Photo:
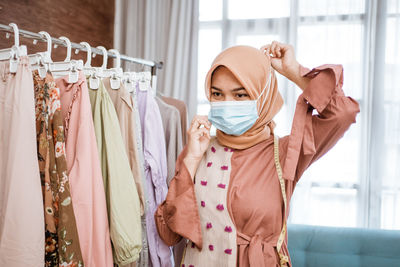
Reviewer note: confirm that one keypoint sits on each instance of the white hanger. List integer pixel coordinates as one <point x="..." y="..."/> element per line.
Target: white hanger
<point x="46" y="55"/>
<point x="97" y="72"/>
<point x="128" y="81"/>
<point x="15" y="51"/>
<point x="144" y="78"/>
<point x="87" y="67"/>
<point x="67" y="67"/>
<point x="88" y="55"/>
<point x="116" y="72"/>
<point x="37" y="63"/>
<point x="105" y="57"/>
<point x="41" y="60"/>
<point x="88" y="70"/>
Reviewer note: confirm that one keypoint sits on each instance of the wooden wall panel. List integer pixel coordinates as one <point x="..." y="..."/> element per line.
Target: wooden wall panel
<point x="79" y="20"/>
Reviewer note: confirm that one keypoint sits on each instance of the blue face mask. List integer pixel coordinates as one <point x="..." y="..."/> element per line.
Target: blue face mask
<point x="236" y="117"/>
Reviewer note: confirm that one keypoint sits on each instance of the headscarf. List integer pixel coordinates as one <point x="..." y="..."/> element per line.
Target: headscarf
<point x="252" y="68"/>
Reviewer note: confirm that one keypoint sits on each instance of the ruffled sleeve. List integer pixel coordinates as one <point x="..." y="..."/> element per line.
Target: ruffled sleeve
<point x="178" y="215"/>
<point x="313" y="135"/>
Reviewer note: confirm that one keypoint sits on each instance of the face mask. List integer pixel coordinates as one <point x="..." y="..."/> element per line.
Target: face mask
<point x="236" y="117"/>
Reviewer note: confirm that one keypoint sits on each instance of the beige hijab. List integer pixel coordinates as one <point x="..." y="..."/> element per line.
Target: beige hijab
<point x="252" y="69"/>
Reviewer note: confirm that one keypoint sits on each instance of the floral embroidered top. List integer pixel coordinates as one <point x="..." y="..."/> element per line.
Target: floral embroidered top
<point x="62" y="242"/>
<point x="253" y="194"/>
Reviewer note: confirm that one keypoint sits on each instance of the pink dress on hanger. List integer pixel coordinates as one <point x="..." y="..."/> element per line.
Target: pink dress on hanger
<point x="86" y="182"/>
<point x="21" y="202"/>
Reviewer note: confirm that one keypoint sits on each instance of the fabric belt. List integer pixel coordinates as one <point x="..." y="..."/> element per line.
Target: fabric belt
<point x="261" y="252"/>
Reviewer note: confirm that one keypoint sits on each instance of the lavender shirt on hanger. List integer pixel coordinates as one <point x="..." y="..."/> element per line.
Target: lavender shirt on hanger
<point x="155" y="165"/>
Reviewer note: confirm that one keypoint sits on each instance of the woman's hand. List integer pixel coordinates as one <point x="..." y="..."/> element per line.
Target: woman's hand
<point x="282" y="58"/>
<point x="198" y="141"/>
<point x="284" y="61"/>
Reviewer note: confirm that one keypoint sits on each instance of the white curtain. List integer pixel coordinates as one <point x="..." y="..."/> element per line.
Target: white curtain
<point x="162" y="30"/>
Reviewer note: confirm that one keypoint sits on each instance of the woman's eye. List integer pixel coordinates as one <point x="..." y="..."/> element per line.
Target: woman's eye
<point x="216" y="94"/>
<point x="242" y="95"/>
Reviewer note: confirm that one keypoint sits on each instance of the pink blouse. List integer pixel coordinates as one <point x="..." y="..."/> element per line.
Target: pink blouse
<point x="86" y="182"/>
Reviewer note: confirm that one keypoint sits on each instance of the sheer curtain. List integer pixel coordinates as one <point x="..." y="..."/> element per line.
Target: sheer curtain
<point x="387" y="136"/>
<point x="163" y="31"/>
<point x="357" y="184"/>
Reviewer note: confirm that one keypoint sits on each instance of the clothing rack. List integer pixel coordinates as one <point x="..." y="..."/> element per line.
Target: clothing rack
<point x="36" y="36"/>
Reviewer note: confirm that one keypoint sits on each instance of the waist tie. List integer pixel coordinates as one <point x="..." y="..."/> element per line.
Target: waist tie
<point x="261" y="252"/>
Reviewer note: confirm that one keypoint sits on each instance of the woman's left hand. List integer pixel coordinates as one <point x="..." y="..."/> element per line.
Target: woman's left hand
<point x="282" y="58"/>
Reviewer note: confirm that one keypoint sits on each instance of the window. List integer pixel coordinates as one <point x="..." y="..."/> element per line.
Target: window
<point x="364" y="190"/>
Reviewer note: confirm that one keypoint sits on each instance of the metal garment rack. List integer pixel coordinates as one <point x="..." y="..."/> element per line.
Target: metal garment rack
<point x="36" y="36"/>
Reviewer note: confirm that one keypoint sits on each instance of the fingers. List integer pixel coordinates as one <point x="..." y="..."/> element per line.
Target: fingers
<point x="272" y="50"/>
<point x="197" y="122"/>
<point x="196" y="131"/>
<point x="202" y="132"/>
<point x="275" y="49"/>
<point x="266" y="49"/>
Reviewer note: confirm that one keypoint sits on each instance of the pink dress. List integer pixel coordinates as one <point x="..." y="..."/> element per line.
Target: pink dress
<point x="21" y="201"/>
<point x="86" y="182"/>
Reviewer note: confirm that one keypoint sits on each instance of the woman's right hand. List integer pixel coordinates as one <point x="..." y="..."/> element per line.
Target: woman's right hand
<point x="198" y="142"/>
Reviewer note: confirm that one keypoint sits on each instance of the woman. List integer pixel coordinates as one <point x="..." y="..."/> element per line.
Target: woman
<point x="229" y="198"/>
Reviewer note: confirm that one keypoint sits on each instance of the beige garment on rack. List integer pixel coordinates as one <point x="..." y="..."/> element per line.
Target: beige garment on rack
<point x="181" y="106"/>
<point x="21" y="202"/>
<point x="123" y="104"/>
<point x="171" y="120"/>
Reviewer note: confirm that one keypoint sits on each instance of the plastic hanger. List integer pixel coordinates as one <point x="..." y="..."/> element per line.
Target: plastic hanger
<point x="144" y="80"/>
<point x="46" y="55"/>
<point x="117" y="72"/>
<point x="67" y="67"/>
<point x="88" y="55"/>
<point x="129" y="80"/>
<point x="88" y="70"/>
<point x="15" y="52"/>
<point x="37" y="63"/>
<point x="41" y="60"/>
<point x="95" y="72"/>
<point x="105" y="57"/>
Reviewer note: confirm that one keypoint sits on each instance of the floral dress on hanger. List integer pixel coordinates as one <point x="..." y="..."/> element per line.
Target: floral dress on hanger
<point x="62" y="243"/>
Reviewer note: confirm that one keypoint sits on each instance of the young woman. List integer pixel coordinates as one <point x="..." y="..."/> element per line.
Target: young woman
<point x="229" y="198"/>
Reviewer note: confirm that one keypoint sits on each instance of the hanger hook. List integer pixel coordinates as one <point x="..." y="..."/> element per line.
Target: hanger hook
<point x="89" y="54"/>
<point x="69" y="47"/>
<point x="118" y="56"/>
<point x="16" y="33"/>
<point x="48" y="39"/>
<point x="105" y="56"/>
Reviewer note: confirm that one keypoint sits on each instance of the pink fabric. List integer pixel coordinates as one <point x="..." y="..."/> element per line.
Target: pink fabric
<point x="87" y="190"/>
<point x="21" y="203"/>
<point x="324" y="85"/>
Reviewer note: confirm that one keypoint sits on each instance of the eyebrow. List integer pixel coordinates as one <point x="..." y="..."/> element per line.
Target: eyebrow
<point x="234" y="90"/>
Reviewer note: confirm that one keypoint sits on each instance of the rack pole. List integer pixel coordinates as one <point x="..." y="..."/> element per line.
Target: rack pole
<point x="36" y="36"/>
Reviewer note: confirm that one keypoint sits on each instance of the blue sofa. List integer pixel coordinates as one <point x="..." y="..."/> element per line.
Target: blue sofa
<point x="322" y="246"/>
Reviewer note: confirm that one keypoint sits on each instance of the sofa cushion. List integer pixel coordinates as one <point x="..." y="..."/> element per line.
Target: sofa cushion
<point x="336" y="246"/>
